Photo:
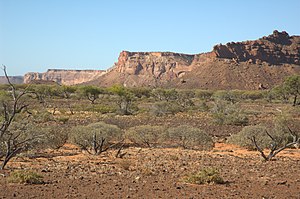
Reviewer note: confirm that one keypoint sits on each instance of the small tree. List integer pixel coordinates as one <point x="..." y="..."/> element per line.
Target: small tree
<point x="125" y="98"/>
<point x="280" y="93"/>
<point x="292" y="86"/>
<point x="189" y="137"/>
<point x="277" y="145"/>
<point x="146" y="135"/>
<point x="67" y="91"/>
<point x="18" y="132"/>
<point x="90" y="92"/>
<point x="96" y="138"/>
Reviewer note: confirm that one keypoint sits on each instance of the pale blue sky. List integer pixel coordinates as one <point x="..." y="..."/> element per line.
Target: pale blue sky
<point x="89" y="34"/>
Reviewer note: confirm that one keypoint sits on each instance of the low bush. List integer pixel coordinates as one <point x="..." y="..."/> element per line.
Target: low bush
<point x="25" y="177"/>
<point x="209" y="175"/>
<point x="145" y="135"/>
<point x="43" y="116"/>
<point x="189" y="137"/>
<point x="164" y="108"/>
<point x="63" y="119"/>
<point x="97" y="137"/>
<point x="203" y="107"/>
<point x="253" y="95"/>
<point x="55" y="136"/>
<point x="227" y="113"/>
<point x="125" y="164"/>
<point x="243" y="138"/>
<point x="232" y="96"/>
<point x="204" y="94"/>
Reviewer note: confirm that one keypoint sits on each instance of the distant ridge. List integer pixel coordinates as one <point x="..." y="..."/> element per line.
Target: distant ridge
<point x="235" y="65"/>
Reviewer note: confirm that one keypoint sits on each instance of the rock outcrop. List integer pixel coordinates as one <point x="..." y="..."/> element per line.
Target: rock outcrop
<point x="277" y="48"/>
<point x="66" y="77"/>
<point x="164" y="65"/>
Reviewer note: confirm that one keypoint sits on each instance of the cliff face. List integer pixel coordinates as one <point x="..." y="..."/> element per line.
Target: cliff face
<point x="66" y="77"/>
<point x="277" y="48"/>
<point x="165" y="65"/>
<point x="240" y="65"/>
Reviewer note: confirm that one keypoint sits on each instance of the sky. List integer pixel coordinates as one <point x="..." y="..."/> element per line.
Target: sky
<point x="36" y="35"/>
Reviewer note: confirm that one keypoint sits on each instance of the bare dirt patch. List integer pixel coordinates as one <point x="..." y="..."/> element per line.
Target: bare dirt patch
<point x="156" y="173"/>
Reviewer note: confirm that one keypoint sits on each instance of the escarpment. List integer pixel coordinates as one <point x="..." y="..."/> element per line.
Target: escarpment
<point x="66" y="77"/>
<point x="277" y="48"/>
<point x="236" y="65"/>
<point x="264" y="62"/>
<point x="165" y="65"/>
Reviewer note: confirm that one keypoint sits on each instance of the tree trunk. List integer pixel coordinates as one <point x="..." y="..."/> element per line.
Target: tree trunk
<point x="295" y="100"/>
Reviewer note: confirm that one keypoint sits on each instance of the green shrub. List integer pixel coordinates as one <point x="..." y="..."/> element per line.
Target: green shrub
<point x="164" y="108"/>
<point x="227" y="113"/>
<point x="25" y="177"/>
<point x="242" y="138"/>
<point x="185" y="98"/>
<point x="202" y="106"/>
<point x="63" y="119"/>
<point x="54" y="136"/>
<point x="43" y="116"/>
<point x="209" y="175"/>
<point x="204" y="94"/>
<point x="232" y="96"/>
<point x="145" y="135"/>
<point x="189" y="137"/>
<point x="253" y="95"/>
<point x="96" y="138"/>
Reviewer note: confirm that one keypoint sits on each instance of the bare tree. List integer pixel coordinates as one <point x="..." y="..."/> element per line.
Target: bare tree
<point x="9" y="115"/>
<point x="277" y="145"/>
<point x="11" y="142"/>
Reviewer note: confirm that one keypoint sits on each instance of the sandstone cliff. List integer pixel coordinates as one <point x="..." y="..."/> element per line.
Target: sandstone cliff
<point x="240" y="65"/>
<point x="66" y="77"/>
<point x="277" y="48"/>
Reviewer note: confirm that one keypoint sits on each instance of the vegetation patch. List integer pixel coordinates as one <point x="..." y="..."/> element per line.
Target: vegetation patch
<point x="25" y="177"/>
<point x="189" y="137"/>
<point x="208" y="175"/>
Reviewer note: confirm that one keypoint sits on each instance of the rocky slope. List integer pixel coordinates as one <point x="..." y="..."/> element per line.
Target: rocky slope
<point x="240" y="65"/>
<point x="66" y="77"/>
